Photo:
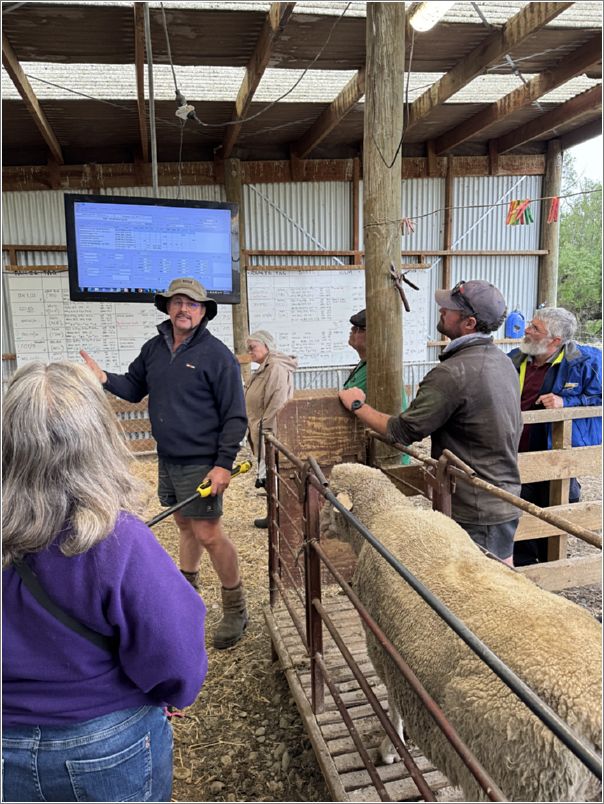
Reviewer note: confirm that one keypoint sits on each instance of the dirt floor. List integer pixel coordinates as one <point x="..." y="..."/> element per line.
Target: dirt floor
<point x="243" y="739"/>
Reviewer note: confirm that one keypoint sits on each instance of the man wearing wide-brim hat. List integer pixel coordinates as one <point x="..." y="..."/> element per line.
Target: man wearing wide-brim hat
<point x="197" y="413"/>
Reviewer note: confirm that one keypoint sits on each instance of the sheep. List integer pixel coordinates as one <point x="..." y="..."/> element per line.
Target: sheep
<point x="550" y="643"/>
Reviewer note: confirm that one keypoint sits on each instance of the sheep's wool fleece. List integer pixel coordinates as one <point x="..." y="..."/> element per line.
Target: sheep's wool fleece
<point x="550" y="643"/>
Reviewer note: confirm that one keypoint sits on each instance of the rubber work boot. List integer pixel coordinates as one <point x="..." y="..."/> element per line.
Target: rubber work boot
<point x="261" y="523"/>
<point x="234" y="618"/>
<point x="192" y="578"/>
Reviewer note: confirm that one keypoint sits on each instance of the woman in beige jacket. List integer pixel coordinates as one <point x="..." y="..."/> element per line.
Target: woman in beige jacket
<point x="269" y="388"/>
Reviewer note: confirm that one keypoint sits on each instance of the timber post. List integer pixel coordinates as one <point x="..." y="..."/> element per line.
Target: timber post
<point x="234" y="194"/>
<point x="382" y="202"/>
<point x="547" y="291"/>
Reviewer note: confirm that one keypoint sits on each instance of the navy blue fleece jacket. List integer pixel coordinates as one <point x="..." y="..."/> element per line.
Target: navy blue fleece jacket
<point x="196" y="402"/>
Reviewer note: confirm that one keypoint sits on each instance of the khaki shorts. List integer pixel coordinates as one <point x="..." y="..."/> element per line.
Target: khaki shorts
<point x="176" y="482"/>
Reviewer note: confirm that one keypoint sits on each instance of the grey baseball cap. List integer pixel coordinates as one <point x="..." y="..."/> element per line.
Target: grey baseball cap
<point x="186" y="286"/>
<point x="476" y="297"/>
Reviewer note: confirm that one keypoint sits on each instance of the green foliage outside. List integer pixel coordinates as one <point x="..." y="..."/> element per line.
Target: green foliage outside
<point x="580" y="262"/>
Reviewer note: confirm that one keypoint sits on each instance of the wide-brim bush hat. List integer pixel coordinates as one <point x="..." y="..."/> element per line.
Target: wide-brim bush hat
<point x="186" y="286"/>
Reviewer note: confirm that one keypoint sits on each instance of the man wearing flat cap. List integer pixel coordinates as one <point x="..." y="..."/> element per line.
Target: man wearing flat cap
<point x="198" y="420"/>
<point x="469" y="404"/>
<point x="358" y="340"/>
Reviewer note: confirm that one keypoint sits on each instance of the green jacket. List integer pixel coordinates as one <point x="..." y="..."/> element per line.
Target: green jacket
<point x="358" y="379"/>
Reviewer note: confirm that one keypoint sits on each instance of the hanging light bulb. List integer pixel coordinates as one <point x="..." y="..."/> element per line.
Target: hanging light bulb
<point x="425" y="15"/>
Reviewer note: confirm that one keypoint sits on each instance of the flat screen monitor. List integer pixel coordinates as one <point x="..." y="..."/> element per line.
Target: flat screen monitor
<point x="127" y="249"/>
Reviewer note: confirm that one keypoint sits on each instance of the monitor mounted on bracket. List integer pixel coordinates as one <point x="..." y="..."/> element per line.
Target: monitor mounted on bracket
<point x="127" y="249"/>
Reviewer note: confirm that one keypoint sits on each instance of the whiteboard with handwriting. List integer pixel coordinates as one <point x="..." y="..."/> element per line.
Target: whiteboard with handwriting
<point x="306" y="312"/>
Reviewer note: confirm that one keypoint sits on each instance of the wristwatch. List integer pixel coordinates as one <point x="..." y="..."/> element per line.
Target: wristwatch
<point x="358" y="403"/>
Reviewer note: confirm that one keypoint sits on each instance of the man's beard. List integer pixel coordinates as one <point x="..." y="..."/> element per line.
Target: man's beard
<point x="449" y="332"/>
<point x="534" y="348"/>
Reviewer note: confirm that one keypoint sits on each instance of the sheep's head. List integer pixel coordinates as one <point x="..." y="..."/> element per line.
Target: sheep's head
<point x="365" y="492"/>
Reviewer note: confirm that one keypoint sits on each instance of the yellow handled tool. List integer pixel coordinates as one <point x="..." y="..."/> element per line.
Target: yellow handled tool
<point x="203" y="490"/>
<point x="239" y="469"/>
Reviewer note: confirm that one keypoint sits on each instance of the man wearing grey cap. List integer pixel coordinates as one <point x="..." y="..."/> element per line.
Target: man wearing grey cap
<point x="469" y="405"/>
<point x="198" y="419"/>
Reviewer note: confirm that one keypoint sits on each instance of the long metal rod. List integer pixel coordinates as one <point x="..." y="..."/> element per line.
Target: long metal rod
<point x="580" y="532"/>
<point x="149" y="48"/>
<point x="352" y="730"/>
<point x="240" y="468"/>
<point x="288" y="605"/>
<point x="400" y="746"/>
<point x="433" y="709"/>
<point x="544" y="712"/>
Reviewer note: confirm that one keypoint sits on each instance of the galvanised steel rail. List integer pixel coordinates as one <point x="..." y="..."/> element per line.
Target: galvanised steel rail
<point x="544" y="712"/>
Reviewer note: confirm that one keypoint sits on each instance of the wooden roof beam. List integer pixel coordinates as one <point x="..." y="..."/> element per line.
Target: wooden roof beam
<point x="540" y="85"/>
<point x="24" y="88"/>
<point x="332" y="116"/>
<point x="276" y="20"/>
<point x="529" y="20"/>
<point x="585" y="103"/>
<point x="139" y="66"/>
<point x="581" y="134"/>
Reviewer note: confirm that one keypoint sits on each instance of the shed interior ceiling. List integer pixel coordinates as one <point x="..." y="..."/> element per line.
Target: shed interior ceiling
<point x="78" y="60"/>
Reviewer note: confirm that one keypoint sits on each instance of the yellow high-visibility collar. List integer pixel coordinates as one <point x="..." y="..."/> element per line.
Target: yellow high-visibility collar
<point x="523" y="365"/>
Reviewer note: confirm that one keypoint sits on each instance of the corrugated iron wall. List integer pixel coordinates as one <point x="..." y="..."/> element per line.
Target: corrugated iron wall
<point x="317" y="215"/>
<point x="306" y="216"/>
<point x="479" y="224"/>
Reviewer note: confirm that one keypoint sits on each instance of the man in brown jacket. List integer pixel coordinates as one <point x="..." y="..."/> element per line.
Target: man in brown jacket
<point x="470" y="404"/>
<point x="270" y="387"/>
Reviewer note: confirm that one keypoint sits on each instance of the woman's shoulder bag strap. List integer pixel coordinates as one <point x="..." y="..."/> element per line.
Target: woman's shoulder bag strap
<point x="30" y="580"/>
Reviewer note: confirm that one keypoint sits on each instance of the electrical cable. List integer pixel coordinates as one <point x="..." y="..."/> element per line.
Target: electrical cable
<point x="405" y="105"/>
<point x="509" y="61"/>
<point x="154" y="167"/>
<point x="163" y="14"/>
<point x="281" y="97"/>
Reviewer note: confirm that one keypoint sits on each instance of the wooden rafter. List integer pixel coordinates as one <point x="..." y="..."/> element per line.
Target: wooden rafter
<point x="332" y="116"/>
<point x="581" y="134"/>
<point x="585" y="103"/>
<point x="530" y="19"/>
<point x="139" y="65"/>
<point x="24" y="88"/>
<point x="276" y="20"/>
<point x="543" y="83"/>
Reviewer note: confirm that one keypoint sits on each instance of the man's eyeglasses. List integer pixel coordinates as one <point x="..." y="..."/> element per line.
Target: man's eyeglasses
<point x="539" y="330"/>
<point x="458" y="293"/>
<point x="185" y="303"/>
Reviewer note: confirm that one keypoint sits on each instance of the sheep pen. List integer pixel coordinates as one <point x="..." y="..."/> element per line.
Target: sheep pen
<point x="243" y="739"/>
<point x="552" y="644"/>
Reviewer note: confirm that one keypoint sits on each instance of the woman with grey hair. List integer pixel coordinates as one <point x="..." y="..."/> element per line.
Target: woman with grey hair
<point x="101" y="632"/>
<point x="270" y="387"/>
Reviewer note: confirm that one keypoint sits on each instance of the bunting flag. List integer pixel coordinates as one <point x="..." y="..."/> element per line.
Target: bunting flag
<point x="519" y="212"/>
<point x="407" y="226"/>
<point x="554" y="209"/>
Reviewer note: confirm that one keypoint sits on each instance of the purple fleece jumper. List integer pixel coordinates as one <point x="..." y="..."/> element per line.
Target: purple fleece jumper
<point x="126" y="586"/>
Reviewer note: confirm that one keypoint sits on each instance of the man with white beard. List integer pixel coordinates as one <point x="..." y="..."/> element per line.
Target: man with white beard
<point x="554" y="372"/>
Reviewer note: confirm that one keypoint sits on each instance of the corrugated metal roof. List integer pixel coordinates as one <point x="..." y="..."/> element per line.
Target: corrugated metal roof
<point x="496" y="13"/>
<point x="117" y="81"/>
<point x="81" y="59"/>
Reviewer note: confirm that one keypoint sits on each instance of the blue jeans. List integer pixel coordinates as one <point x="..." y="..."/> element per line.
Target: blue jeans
<point x="123" y="756"/>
